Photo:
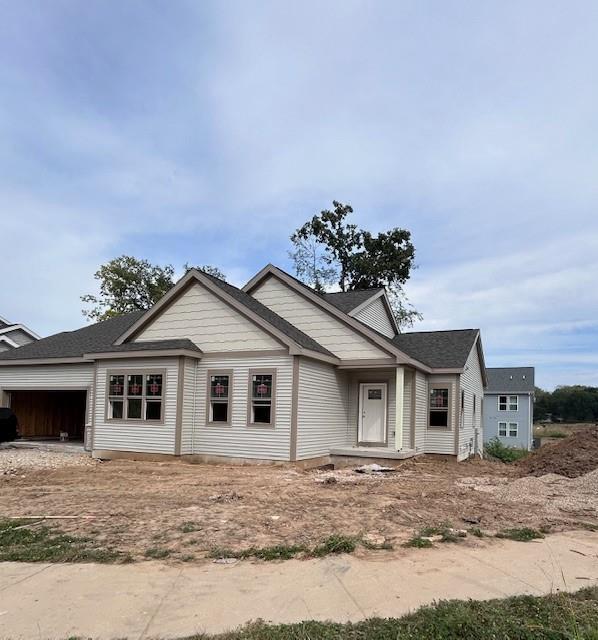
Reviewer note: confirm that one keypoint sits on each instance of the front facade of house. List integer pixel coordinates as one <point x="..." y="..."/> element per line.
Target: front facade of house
<point x="14" y="335"/>
<point x="509" y="406"/>
<point x="272" y="372"/>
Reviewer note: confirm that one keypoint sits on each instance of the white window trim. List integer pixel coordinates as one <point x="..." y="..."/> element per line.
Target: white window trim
<point x="508" y="425"/>
<point x="508" y="402"/>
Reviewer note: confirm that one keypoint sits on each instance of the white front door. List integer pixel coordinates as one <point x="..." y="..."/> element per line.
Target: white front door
<point x="372" y="413"/>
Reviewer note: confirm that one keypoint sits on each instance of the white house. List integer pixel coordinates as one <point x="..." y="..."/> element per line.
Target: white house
<point x="271" y="372"/>
<point x="14" y="335"/>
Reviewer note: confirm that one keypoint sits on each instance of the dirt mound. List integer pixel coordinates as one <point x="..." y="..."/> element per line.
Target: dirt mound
<point x="571" y="457"/>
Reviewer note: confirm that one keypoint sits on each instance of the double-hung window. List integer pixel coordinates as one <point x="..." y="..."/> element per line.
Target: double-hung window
<point x="439" y="407"/>
<point x="508" y="403"/>
<point x="508" y="429"/>
<point x="219" y="397"/>
<point x="136" y="396"/>
<point x="261" y="397"/>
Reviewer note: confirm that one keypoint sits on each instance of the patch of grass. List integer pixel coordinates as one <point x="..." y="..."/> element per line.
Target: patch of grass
<point x="555" y="617"/>
<point x="589" y="526"/>
<point x="385" y="546"/>
<point x="525" y="534"/>
<point x="277" y="552"/>
<point x="477" y="532"/>
<point x="157" y="553"/>
<point x="496" y="449"/>
<point x="188" y="558"/>
<point x="418" y="542"/>
<point x="444" y="529"/>
<point x="335" y="544"/>
<point x="27" y="541"/>
<point x="553" y="434"/>
<point x="189" y="527"/>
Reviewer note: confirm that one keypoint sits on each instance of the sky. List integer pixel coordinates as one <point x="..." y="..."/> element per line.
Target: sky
<point x="206" y="132"/>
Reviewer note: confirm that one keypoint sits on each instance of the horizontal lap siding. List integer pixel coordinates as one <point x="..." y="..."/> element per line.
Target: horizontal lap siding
<point x="421" y="412"/>
<point x="189" y="402"/>
<point x="442" y="440"/>
<point x="375" y="315"/>
<point x="472" y="384"/>
<point x="46" y="377"/>
<point x="49" y="377"/>
<point x="323" y="409"/>
<point x="241" y="440"/>
<point x="142" y="438"/>
<point x="209" y="322"/>
<point x="407" y="415"/>
<point x="331" y="333"/>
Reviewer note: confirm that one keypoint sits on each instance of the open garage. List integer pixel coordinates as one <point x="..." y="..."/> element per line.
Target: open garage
<point x="45" y="414"/>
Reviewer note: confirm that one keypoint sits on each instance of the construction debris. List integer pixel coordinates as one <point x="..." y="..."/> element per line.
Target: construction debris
<point x="374" y="468"/>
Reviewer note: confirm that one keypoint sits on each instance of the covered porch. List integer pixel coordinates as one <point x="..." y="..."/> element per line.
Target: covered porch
<point x="381" y="413"/>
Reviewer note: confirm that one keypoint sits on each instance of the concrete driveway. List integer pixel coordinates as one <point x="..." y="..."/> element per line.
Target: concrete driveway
<point x="155" y="600"/>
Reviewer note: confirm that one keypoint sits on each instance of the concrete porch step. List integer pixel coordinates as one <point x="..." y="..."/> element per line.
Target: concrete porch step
<point x="373" y="452"/>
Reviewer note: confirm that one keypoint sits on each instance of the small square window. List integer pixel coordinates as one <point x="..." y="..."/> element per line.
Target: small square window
<point x="262" y="412"/>
<point x="135" y="385"/>
<point x="502" y="429"/>
<point x="219" y="412"/>
<point x="513" y="429"/>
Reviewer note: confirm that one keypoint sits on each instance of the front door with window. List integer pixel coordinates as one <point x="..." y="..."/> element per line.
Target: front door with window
<point x="372" y="413"/>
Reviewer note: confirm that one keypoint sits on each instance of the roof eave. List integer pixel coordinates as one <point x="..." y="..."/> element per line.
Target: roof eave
<point x="43" y="361"/>
<point x="144" y="353"/>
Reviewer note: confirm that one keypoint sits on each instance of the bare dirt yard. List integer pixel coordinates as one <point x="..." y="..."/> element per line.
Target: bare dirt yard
<point x="186" y="511"/>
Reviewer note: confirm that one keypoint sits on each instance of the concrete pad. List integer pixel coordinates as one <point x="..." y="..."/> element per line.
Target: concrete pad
<point x="150" y="600"/>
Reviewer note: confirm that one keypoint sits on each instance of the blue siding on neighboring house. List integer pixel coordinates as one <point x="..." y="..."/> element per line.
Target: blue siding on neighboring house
<point x="492" y="416"/>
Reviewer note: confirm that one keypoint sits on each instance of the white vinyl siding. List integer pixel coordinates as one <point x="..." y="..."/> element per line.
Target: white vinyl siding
<point x="19" y="336"/>
<point x="51" y="377"/>
<point x="442" y="439"/>
<point x="375" y="315"/>
<point x="209" y="322"/>
<point x="421" y="410"/>
<point x="323" y="327"/>
<point x="142" y="437"/>
<point x="241" y="440"/>
<point x="407" y="411"/>
<point x="472" y="384"/>
<point x="189" y="401"/>
<point x="323" y="420"/>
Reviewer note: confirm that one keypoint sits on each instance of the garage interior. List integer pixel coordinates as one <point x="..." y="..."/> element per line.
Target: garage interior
<point x="45" y="414"/>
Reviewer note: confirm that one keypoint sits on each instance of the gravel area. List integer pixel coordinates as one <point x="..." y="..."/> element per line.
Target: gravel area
<point x="20" y="461"/>
<point x="556" y="494"/>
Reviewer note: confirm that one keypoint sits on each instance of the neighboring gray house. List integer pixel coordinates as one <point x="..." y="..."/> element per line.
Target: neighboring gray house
<point x="14" y="335"/>
<point x="271" y="372"/>
<point x="509" y="406"/>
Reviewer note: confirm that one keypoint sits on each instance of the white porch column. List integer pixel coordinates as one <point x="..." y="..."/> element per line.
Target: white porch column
<point x="399" y="393"/>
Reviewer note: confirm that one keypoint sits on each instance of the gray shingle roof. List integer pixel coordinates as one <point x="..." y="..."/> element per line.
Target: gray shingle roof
<point x="438" y="349"/>
<point x="346" y="301"/>
<point x="301" y="338"/>
<point x="73" y="344"/>
<point x="3" y="325"/>
<point x="510" y="380"/>
<point x="153" y="345"/>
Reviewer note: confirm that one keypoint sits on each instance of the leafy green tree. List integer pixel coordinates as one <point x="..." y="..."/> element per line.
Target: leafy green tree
<point x="327" y="246"/>
<point x="129" y="284"/>
<point x="576" y="403"/>
<point x="206" y="268"/>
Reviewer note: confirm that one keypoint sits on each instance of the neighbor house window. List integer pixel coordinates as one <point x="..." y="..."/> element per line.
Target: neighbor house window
<point x="261" y="397"/>
<point x="439" y="407"/>
<point x="508" y="403"/>
<point x="508" y="429"/>
<point x="219" y="396"/>
<point x="136" y="396"/>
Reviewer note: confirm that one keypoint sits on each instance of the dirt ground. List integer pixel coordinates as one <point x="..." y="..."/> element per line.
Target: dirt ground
<point x="192" y="509"/>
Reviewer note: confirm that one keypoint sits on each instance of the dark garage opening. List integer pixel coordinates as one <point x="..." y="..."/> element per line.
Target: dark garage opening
<point x="44" y="414"/>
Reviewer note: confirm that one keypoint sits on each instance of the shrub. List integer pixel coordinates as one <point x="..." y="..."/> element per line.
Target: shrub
<point x="525" y="534"/>
<point x="496" y="449"/>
